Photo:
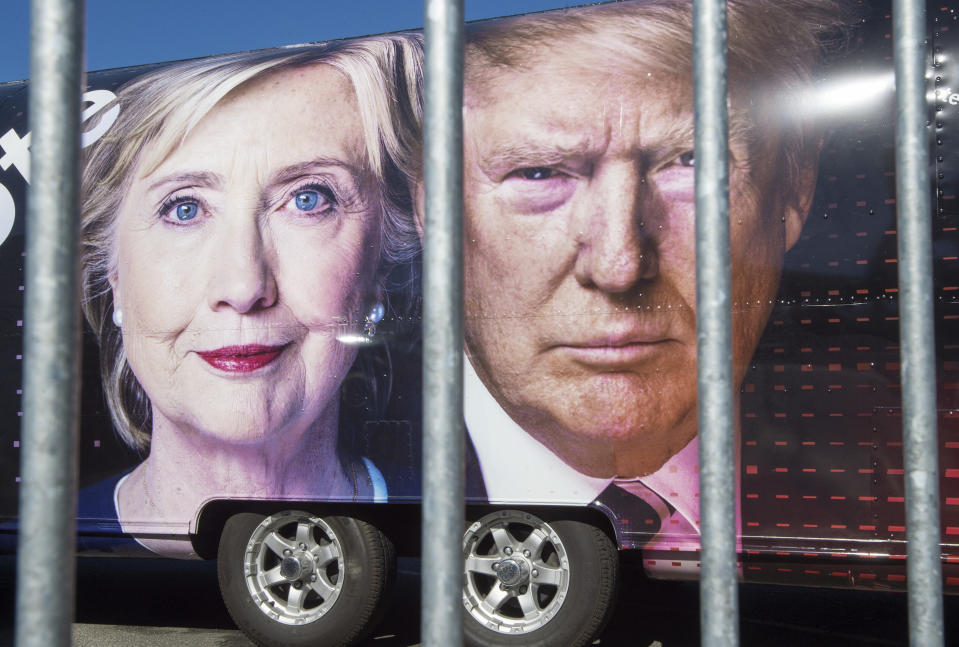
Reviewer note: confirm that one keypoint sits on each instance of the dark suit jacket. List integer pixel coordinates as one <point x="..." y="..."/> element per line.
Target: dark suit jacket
<point x="475" y="487"/>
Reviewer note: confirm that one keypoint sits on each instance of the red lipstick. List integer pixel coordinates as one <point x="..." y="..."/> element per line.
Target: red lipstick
<point x="241" y="359"/>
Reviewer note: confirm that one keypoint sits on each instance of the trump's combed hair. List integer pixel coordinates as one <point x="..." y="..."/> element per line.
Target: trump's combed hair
<point x="160" y="109"/>
<point x="774" y="51"/>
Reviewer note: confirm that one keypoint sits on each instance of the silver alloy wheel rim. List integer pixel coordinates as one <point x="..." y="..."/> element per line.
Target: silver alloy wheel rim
<point x="293" y="566"/>
<point x="516" y="572"/>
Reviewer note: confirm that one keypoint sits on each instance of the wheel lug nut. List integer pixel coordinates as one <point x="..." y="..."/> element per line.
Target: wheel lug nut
<point x="313" y="577"/>
<point x="526" y="553"/>
<point x="495" y="566"/>
<point x="535" y="573"/>
<point x="297" y="585"/>
<point x="502" y="587"/>
<point x="523" y="589"/>
<point x="302" y="546"/>
<point x="508" y="550"/>
<point x="287" y="552"/>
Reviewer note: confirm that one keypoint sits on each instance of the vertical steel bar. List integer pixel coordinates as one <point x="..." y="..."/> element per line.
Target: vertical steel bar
<point x="443" y="327"/>
<point x="917" y="343"/>
<point x="48" y="494"/>
<point x="719" y="605"/>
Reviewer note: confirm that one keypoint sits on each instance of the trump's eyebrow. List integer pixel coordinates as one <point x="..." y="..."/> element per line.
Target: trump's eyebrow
<point x="189" y="178"/>
<point x="667" y="137"/>
<point x="533" y="153"/>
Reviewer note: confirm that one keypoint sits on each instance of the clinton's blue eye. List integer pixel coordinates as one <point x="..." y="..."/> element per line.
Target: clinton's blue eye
<point x="186" y="211"/>
<point x="306" y="200"/>
<point x="181" y="209"/>
<point x="312" y="199"/>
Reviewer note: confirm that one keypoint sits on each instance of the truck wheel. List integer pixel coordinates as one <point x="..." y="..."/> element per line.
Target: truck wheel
<point x="297" y="579"/>
<point x="532" y="583"/>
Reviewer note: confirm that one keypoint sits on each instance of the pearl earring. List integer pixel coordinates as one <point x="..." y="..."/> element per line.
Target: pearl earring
<point x="374" y="317"/>
<point x="117" y="317"/>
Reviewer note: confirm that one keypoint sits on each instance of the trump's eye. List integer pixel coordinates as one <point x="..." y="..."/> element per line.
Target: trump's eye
<point x="675" y="178"/>
<point x="536" y="173"/>
<point x="538" y="189"/>
<point x="180" y="210"/>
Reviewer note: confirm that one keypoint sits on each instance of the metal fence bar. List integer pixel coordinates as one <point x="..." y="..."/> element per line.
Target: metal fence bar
<point x="443" y="429"/>
<point x="917" y="341"/>
<point x="48" y="494"/>
<point x="719" y="605"/>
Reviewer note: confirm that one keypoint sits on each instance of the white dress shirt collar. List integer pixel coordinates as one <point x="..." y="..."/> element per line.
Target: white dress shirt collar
<point x="515" y="466"/>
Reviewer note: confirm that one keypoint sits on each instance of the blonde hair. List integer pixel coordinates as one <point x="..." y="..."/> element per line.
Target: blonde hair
<point x="160" y="109"/>
<point x="774" y="49"/>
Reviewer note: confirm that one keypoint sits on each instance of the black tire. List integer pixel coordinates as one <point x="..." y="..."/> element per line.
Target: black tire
<point x="328" y="590"/>
<point x="569" y="608"/>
